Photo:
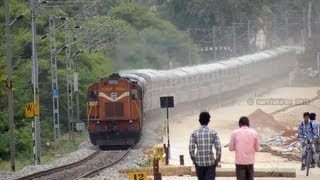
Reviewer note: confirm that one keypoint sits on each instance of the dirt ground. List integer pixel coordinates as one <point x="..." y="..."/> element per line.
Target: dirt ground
<point x="282" y="124"/>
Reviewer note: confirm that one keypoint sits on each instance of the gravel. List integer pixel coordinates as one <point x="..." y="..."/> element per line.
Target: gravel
<point x="134" y="159"/>
<point x="85" y="149"/>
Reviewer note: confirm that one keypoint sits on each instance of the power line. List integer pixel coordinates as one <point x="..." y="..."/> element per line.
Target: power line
<point x="82" y="12"/>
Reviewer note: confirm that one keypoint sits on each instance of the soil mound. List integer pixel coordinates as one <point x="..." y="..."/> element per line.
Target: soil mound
<point x="262" y="119"/>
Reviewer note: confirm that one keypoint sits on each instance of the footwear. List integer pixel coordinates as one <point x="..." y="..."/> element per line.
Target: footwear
<point x="318" y="164"/>
<point x="303" y="167"/>
<point x="312" y="165"/>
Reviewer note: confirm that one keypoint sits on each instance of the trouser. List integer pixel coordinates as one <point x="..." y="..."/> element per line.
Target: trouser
<point x="315" y="155"/>
<point x="317" y="152"/>
<point x="206" y="172"/>
<point x="244" y="172"/>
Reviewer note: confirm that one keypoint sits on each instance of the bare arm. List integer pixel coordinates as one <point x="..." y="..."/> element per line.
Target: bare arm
<point x="257" y="143"/>
<point x="192" y="147"/>
<point x="217" y="146"/>
<point x="232" y="142"/>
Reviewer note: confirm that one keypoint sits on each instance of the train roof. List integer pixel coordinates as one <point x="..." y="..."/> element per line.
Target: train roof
<point x="134" y="77"/>
<point x="203" y="68"/>
<point x="231" y="63"/>
<point x="154" y="75"/>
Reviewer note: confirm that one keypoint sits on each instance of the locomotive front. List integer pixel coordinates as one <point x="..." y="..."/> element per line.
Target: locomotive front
<point x="115" y="111"/>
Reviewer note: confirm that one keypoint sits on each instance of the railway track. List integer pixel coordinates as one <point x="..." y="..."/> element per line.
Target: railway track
<point x="87" y="167"/>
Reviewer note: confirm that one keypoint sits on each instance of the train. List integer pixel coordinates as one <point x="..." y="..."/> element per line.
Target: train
<point x="117" y="104"/>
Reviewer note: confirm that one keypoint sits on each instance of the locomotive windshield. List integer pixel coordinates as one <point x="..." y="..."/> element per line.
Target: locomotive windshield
<point x="113" y="81"/>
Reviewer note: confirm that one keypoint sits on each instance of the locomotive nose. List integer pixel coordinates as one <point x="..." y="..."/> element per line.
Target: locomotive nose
<point x="114" y="128"/>
<point x="131" y="128"/>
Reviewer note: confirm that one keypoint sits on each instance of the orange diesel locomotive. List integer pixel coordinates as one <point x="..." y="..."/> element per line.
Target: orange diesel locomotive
<point x="115" y="111"/>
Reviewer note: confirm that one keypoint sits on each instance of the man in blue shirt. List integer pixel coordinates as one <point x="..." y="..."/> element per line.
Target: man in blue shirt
<point x="305" y="134"/>
<point x="316" y="127"/>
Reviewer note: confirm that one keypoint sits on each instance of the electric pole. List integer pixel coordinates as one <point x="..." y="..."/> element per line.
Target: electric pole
<point x="249" y="37"/>
<point x="309" y="20"/>
<point x="189" y="46"/>
<point x="234" y="39"/>
<point x="69" y="82"/>
<point x="214" y="42"/>
<point x="287" y="26"/>
<point x="9" y="84"/>
<point x="54" y="84"/>
<point x="36" y="137"/>
<point x="76" y="87"/>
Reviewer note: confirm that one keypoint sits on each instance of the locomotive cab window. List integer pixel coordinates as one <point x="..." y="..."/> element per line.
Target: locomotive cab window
<point x="134" y="94"/>
<point x="113" y="81"/>
<point x="93" y="95"/>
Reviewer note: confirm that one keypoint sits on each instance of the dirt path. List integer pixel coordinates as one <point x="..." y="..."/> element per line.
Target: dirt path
<point x="225" y="119"/>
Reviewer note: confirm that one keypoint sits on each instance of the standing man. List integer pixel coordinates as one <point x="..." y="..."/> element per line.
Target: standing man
<point x="314" y="123"/>
<point x="201" y="143"/>
<point x="245" y="142"/>
<point x="316" y="128"/>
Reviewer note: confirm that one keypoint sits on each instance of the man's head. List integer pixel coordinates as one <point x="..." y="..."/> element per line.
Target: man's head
<point x="313" y="116"/>
<point x="204" y="118"/>
<point x="244" y="121"/>
<point x="306" y="116"/>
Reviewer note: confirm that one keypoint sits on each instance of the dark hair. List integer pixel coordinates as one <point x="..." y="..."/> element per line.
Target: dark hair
<point x="312" y="116"/>
<point x="204" y="118"/>
<point x="306" y="114"/>
<point x="244" y="121"/>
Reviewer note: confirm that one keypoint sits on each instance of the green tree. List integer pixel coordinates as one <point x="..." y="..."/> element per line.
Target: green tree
<point x="149" y="41"/>
<point x="207" y="13"/>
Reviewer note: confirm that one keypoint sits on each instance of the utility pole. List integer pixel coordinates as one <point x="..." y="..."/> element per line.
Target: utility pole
<point x="249" y="37"/>
<point x="76" y="88"/>
<point x="303" y="29"/>
<point x="214" y="42"/>
<point x="54" y="84"/>
<point x="76" y="85"/>
<point x="144" y="51"/>
<point x="309" y="20"/>
<point x="69" y="83"/>
<point x="9" y="84"/>
<point x="189" y="46"/>
<point x="318" y="63"/>
<point x="36" y="137"/>
<point x="234" y="39"/>
<point x="69" y="70"/>
<point x="287" y="26"/>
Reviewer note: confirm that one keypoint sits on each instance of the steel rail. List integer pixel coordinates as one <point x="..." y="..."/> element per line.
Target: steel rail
<point x="59" y="168"/>
<point x="96" y="171"/>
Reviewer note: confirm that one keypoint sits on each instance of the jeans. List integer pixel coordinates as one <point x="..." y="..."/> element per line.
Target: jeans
<point x="206" y="172"/>
<point x="317" y="150"/>
<point x="314" y="154"/>
<point x="244" y="172"/>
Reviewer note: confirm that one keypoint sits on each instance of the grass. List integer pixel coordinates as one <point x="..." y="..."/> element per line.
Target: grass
<point x="47" y="155"/>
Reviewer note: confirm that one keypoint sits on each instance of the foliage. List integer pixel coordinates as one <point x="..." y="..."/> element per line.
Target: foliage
<point x="149" y="42"/>
<point x="22" y="87"/>
<point x="268" y="15"/>
<point x="133" y="35"/>
<point x="207" y="13"/>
